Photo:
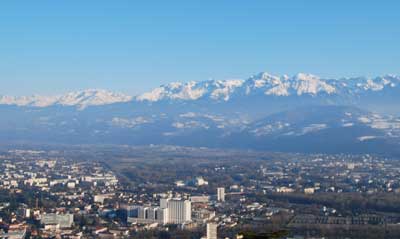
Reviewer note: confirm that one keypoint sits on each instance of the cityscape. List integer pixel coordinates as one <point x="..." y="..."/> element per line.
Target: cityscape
<point x="50" y="193"/>
<point x="199" y="119"/>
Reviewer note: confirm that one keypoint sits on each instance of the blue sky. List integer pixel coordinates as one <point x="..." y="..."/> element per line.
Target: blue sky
<point x="51" y="47"/>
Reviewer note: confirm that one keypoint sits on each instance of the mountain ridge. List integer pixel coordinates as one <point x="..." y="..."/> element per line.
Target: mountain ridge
<point x="82" y="99"/>
<point x="302" y="113"/>
<point x="262" y="84"/>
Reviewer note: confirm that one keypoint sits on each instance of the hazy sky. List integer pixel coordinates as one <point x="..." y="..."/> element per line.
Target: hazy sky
<point x="50" y="47"/>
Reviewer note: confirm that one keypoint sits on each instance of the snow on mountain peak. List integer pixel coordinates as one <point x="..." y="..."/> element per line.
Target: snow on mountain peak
<point x="311" y="84"/>
<point x="306" y="77"/>
<point x="80" y="99"/>
<point x="219" y="90"/>
<point x="192" y="90"/>
<point x="35" y="100"/>
<point x="225" y="89"/>
<point x="184" y="91"/>
<point x="92" y="97"/>
<point x="299" y="84"/>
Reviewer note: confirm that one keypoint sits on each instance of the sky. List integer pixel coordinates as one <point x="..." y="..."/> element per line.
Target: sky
<point x="52" y="47"/>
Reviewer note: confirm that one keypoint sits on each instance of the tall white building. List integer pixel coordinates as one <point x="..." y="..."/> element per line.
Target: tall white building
<point x="211" y="231"/>
<point x="164" y="203"/>
<point x="179" y="211"/>
<point x="174" y="211"/>
<point x="221" y="194"/>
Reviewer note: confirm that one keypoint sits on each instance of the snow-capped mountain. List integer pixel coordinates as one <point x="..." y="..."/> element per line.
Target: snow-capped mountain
<point x="269" y="85"/>
<point x="215" y="90"/>
<point x="264" y="94"/>
<point x="81" y="99"/>
<point x="263" y="84"/>
<point x="299" y="113"/>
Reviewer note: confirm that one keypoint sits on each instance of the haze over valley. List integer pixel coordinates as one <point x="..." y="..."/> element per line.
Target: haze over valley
<point x="302" y="113"/>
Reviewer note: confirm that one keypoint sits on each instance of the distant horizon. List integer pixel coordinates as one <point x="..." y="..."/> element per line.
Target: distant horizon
<point x="55" y="47"/>
<point x="257" y="118"/>
<point x="132" y="94"/>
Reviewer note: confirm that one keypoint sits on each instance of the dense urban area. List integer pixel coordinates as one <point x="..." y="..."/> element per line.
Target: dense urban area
<point x="178" y="192"/>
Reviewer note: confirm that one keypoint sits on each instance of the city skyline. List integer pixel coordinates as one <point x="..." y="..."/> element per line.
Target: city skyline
<point x="200" y="119"/>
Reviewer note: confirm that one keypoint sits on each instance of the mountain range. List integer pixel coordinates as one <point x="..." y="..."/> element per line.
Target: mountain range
<point x="302" y="113"/>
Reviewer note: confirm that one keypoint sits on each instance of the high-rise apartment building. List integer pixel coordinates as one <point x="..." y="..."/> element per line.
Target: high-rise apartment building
<point x="211" y="231"/>
<point x="174" y="211"/>
<point x="221" y="194"/>
<point x="179" y="211"/>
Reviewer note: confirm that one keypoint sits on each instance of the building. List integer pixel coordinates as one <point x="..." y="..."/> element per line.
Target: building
<point x="202" y="215"/>
<point x="57" y="221"/>
<point x="147" y="215"/>
<point x="27" y="213"/>
<point x="284" y="190"/>
<point x="71" y="185"/>
<point x="200" y="181"/>
<point x="199" y="199"/>
<point x="211" y="231"/>
<point x="309" y="190"/>
<point x="179" y="211"/>
<point x="170" y="211"/>
<point x="221" y="194"/>
<point x="18" y="234"/>
<point x="100" y="198"/>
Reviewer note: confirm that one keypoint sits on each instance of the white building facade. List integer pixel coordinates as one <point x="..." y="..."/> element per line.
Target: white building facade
<point x="221" y="194"/>
<point x="170" y="211"/>
<point x="211" y="231"/>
